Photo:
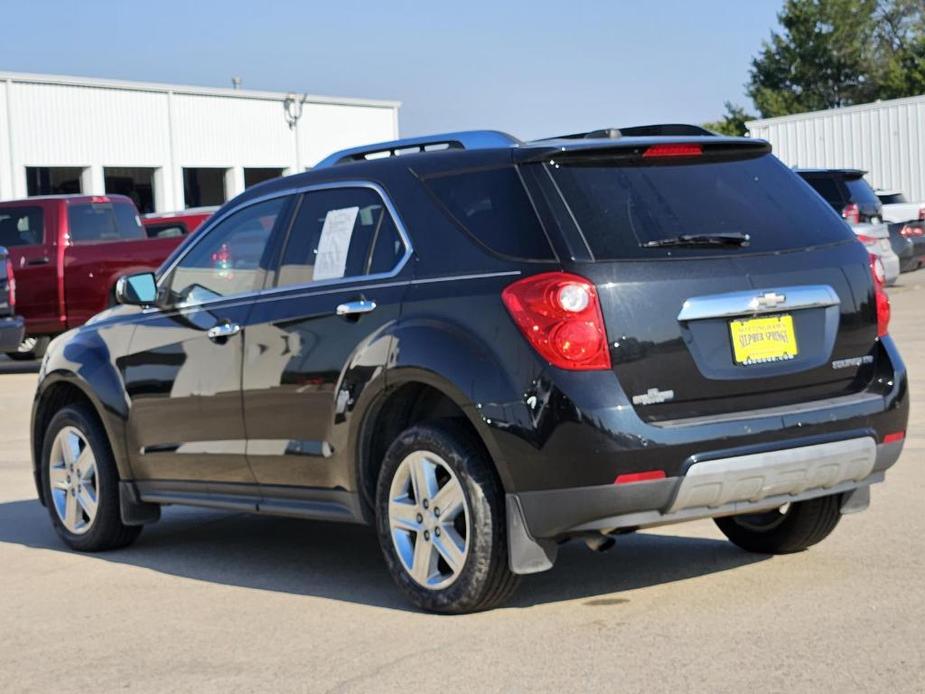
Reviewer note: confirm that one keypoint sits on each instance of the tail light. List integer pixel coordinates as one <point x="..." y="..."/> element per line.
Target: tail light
<point x="11" y="284"/>
<point x="560" y="316"/>
<point x="909" y="231"/>
<point x="880" y="296"/>
<point x="867" y="240"/>
<point x="852" y="213"/>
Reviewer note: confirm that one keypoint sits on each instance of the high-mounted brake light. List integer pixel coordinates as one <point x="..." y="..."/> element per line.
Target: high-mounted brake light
<point x="673" y="151"/>
<point x="880" y="296"/>
<point x="11" y="285"/>
<point x="852" y="213"/>
<point x="561" y="318"/>
<point x="98" y="199"/>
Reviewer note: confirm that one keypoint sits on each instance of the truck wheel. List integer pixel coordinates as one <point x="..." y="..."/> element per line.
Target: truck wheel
<point x="81" y="482"/>
<point x="798" y="526"/>
<point x="441" y="521"/>
<point x="30" y="348"/>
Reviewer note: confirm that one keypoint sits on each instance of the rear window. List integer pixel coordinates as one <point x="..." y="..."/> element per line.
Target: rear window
<point x="21" y="226"/>
<point x="493" y="207"/>
<point x="861" y="192"/>
<point x="103" y="221"/>
<point x="619" y="207"/>
<point x="829" y="189"/>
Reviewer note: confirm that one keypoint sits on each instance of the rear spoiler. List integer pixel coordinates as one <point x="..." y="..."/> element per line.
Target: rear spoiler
<point x="643" y="148"/>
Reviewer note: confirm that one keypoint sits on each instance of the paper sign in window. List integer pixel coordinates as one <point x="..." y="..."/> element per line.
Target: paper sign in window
<point x="331" y="259"/>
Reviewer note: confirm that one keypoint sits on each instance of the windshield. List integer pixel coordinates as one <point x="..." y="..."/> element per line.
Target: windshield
<point x="620" y="207"/>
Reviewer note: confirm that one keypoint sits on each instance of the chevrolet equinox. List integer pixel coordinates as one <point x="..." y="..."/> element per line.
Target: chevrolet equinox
<point x="484" y="347"/>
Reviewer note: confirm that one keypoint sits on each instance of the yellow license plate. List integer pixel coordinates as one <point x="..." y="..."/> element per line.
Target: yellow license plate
<point x="763" y="340"/>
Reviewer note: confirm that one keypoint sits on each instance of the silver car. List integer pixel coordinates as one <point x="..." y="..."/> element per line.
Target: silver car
<point x="876" y="238"/>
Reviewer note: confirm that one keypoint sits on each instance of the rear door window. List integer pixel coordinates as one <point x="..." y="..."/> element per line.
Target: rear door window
<point x="620" y="207"/>
<point x="333" y="234"/>
<point x="95" y="222"/>
<point x="493" y="207"/>
<point x="21" y="226"/>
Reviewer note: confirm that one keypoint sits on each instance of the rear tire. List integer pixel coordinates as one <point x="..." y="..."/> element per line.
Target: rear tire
<point x="30" y="349"/>
<point x="804" y="524"/>
<point x="81" y="482"/>
<point x="415" y="534"/>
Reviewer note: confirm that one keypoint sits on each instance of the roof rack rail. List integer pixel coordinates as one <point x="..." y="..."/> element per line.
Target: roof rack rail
<point x="468" y="139"/>
<point x="657" y="130"/>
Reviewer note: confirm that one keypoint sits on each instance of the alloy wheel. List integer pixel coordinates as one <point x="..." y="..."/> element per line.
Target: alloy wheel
<point x="73" y="480"/>
<point x="429" y="520"/>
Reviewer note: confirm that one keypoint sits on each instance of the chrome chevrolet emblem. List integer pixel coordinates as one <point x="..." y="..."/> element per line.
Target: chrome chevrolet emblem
<point x="767" y="300"/>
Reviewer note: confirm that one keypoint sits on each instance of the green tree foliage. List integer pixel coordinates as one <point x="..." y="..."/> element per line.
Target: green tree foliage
<point x="732" y="123"/>
<point x="833" y="53"/>
<point x="902" y="49"/>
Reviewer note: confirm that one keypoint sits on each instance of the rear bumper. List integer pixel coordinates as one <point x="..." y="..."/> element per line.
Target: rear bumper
<point x="890" y="266"/>
<point x="12" y="331"/>
<point x="710" y="487"/>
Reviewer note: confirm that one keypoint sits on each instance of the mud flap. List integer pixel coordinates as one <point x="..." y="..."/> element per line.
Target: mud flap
<point x="526" y="554"/>
<point x="133" y="510"/>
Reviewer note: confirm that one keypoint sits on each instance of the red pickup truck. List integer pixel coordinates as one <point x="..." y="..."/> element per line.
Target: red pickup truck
<point x="67" y="252"/>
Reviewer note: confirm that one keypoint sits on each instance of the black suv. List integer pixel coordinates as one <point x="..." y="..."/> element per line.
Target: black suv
<point x="847" y="192"/>
<point x="484" y="347"/>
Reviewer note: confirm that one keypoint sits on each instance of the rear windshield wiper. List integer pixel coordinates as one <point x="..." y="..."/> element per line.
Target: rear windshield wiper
<point x="731" y="239"/>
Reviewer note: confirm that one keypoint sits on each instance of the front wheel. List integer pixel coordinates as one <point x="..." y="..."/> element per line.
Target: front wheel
<point x="81" y="482"/>
<point x="441" y="522"/>
<point x="791" y="528"/>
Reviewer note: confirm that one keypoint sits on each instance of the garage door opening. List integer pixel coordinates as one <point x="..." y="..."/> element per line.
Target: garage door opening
<point x="136" y="183"/>
<point x="203" y="187"/>
<point x="254" y="176"/>
<point x="53" y="180"/>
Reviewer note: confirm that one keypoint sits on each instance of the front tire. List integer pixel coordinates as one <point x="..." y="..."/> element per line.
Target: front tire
<point x="441" y="521"/>
<point x="81" y="482"/>
<point x="801" y="525"/>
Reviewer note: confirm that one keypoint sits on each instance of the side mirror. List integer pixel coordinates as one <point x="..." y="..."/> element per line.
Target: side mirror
<point x="137" y="290"/>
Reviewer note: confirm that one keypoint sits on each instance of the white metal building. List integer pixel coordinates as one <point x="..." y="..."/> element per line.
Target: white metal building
<point x="168" y="146"/>
<point x="885" y="138"/>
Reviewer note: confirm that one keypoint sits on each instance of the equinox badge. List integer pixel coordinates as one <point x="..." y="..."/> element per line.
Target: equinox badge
<point x="653" y="397"/>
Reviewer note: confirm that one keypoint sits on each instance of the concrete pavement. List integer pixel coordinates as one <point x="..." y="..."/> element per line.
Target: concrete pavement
<point x="211" y="601"/>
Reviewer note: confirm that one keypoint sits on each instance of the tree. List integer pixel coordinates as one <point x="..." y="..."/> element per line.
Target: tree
<point x="901" y="40"/>
<point x="825" y="57"/>
<point x="733" y="123"/>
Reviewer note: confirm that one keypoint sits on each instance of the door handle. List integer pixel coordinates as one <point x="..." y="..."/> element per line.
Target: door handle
<point x="223" y="331"/>
<point x="38" y="261"/>
<point x="353" y="308"/>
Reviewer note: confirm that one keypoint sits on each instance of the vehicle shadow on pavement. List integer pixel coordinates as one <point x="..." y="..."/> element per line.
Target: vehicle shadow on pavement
<point x="343" y="562"/>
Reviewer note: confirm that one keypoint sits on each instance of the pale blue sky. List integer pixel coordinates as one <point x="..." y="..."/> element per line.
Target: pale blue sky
<point x="532" y="68"/>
